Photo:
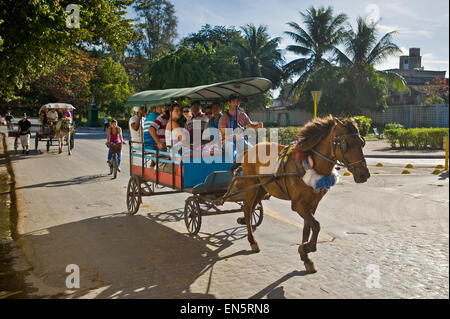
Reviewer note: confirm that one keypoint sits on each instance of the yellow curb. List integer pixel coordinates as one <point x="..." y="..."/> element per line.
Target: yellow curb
<point x="409" y="166"/>
<point x="440" y="166"/>
<point x="436" y="172"/>
<point x="347" y="174"/>
<point x="379" y="165"/>
<point x="406" y="172"/>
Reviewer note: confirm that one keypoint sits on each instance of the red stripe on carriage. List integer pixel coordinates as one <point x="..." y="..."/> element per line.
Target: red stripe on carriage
<point x="164" y="178"/>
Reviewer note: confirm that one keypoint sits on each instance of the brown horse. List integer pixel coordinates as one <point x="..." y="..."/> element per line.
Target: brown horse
<point x="327" y="140"/>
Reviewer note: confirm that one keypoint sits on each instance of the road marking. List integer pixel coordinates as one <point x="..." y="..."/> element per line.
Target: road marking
<point x="278" y="216"/>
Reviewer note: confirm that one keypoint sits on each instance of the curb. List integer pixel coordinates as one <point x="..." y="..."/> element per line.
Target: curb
<point x="406" y="156"/>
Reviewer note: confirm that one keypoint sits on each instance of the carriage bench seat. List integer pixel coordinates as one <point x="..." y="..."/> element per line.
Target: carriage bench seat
<point x="215" y="182"/>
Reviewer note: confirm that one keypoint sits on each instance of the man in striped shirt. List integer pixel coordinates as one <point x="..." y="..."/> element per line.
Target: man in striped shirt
<point x="158" y="130"/>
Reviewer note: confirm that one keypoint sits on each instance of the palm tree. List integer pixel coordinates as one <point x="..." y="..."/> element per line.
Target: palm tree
<point x="259" y="56"/>
<point x="364" y="51"/>
<point x="323" y="32"/>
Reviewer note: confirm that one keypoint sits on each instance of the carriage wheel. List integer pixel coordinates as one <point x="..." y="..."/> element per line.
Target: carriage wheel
<point x="192" y="215"/>
<point x="257" y="215"/>
<point x="36" y="141"/>
<point x="134" y="198"/>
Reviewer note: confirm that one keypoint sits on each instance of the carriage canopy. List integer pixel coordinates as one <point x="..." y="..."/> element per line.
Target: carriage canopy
<point x="56" y="106"/>
<point x="218" y="91"/>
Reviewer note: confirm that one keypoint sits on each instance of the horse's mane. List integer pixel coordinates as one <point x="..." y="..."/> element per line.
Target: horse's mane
<point x="313" y="132"/>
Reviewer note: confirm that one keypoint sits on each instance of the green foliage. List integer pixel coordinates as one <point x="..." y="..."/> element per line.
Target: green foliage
<point x="214" y="36"/>
<point x="434" y="99"/>
<point x="285" y="134"/>
<point x="390" y="126"/>
<point x="36" y="39"/>
<point x="363" y="124"/>
<point x="416" y="138"/>
<point x="258" y="55"/>
<point x="110" y="86"/>
<point x="323" y="32"/>
<point x="344" y="92"/>
<point x="188" y="67"/>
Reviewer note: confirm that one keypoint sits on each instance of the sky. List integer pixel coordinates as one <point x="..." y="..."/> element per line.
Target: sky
<point x="421" y="24"/>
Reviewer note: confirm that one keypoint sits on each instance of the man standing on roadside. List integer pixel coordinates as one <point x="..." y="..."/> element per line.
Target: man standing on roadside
<point x="24" y="130"/>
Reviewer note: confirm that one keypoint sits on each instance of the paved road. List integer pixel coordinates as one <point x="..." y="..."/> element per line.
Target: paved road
<point x="387" y="238"/>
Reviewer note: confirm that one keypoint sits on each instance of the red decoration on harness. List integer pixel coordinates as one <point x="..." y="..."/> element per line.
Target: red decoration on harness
<point x="310" y="161"/>
<point x="298" y="154"/>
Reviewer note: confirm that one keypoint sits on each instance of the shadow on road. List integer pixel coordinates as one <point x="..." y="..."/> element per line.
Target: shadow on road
<point x="273" y="291"/>
<point x="127" y="257"/>
<point x="88" y="179"/>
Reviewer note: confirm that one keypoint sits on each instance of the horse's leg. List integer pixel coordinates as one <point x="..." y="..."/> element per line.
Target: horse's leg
<point x="60" y="139"/>
<point x="68" y="143"/>
<point x="307" y="245"/>
<point x="252" y="198"/>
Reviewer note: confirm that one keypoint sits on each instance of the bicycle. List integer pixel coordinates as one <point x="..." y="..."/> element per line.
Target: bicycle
<point x="114" y="163"/>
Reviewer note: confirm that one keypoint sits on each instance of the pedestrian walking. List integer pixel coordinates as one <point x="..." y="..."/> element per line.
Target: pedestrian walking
<point x="24" y="130"/>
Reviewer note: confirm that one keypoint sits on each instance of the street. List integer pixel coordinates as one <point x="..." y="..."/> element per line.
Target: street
<point x="386" y="238"/>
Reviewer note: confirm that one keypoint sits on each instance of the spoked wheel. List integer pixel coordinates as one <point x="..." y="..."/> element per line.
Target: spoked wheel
<point x="134" y="198"/>
<point x="192" y="215"/>
<point x="257" y="215"/>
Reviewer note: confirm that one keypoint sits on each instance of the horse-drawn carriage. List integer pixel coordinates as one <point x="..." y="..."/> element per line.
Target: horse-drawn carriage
<point x="301" y="172"/>
<point x="208" y="178"/>
<point x="47" y="126"/>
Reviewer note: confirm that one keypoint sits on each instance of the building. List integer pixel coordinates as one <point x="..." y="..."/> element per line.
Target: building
<point x="410" y="67"/>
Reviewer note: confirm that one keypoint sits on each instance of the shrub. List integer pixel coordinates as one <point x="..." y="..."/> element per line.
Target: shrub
<point x="363" y="124"/>
<point x="285" y="134"/>
<point x="417" y="138"/>
<point x="390" y="126"/>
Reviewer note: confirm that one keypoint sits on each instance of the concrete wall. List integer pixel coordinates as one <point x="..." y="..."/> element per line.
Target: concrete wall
<point x="283" y="117"/>
<point x="408" y="115"/>
<point x="412" y="115"/>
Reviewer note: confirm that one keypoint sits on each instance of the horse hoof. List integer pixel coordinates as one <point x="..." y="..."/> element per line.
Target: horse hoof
<point x="310" y="268"/>
<point x="255" y="247"/>
<point x="241" y="221"/>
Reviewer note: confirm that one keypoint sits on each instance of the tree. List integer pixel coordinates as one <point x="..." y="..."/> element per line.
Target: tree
<point x="363" y="50"/>
<point x="323" y="32"/>
<point x="211" y="36"/>
<point x="68" y="83"/>
<point x="159" y="26"/>
<point x="258" y="55"/>
<point x="188" y="67"/>
<point x="36" y="38"/>
<point x="110" y="86"/>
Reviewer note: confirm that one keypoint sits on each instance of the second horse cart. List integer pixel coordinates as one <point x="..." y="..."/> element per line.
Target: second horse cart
<point x="47" y="124"/>
<point x="208" y="179"/>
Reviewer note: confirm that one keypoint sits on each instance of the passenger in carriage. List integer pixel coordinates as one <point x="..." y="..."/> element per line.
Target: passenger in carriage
<point x="66" y="114"/>
<point x="174" y="133"/>
<point x="215" y="116"/>
<point x="52" y="116"/>
<point x="158" y="130"/>
<point x="197" y="115"/>
<point x="232" y="119"/>
<point x="155" y="111"/>
<point x="136" y="125"/>
<point x="187" y="115"/>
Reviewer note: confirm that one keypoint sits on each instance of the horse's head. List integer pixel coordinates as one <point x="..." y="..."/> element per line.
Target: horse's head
<point x="347" y="147"/>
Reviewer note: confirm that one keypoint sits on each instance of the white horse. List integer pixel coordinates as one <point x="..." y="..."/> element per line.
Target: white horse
<point x="63" y="130"/>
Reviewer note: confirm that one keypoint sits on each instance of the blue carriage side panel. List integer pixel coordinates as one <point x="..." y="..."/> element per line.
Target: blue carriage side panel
<point x="196" y="173"/>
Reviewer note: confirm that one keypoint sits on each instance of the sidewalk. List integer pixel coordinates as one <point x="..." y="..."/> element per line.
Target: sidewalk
<point x="382" y="149"/>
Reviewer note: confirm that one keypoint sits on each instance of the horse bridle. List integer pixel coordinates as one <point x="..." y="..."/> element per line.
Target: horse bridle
<point x="339" y="141"/>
